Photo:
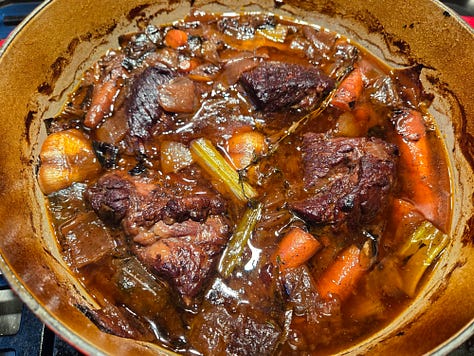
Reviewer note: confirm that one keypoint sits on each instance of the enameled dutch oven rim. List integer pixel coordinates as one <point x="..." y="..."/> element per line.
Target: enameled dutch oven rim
<point x="82" y="344"/>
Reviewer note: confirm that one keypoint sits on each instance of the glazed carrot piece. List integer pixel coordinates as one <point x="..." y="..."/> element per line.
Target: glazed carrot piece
<point x="296" y="247"/>
<point x="102" y="101"/>
<point x="349" y="91"/>
<point x="364" y="113"/>
<point x="188" y="65"/>
<point x="400" y="209"/>
<point x="416" y="160"/>
<point x="244" y="146"/>
<point x="176" y="38"/>
<point x="342" y="276"/>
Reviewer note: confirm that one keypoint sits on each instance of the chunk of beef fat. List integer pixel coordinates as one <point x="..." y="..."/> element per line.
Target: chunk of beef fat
<point x="348" y="179"/>
<point x="176" y="230"/>
<point x="273" y="86"/>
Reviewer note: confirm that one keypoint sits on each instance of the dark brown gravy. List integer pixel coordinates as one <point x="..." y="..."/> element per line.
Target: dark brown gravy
<point x="261" y="308"/>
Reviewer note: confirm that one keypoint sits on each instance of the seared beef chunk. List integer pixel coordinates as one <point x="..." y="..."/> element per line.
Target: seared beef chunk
<point x="110" y="197"/>
<point x="176" y="233"/>
<point x="137" y="46"/>
<point x="324" y="45"/>
<point x="143" y="108"/>
<point x="196" y="207"/>
<point x="273" y="86"/>
<point x="116" y="320"/>
<point x="165" y="204"/>
<point x="184" y="253"/>
<point x="116" y="198"/>
<point x="244" y="27"/>
<point x="349" y="179"/>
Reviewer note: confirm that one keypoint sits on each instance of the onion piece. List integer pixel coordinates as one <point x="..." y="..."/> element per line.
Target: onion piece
<point x="178" y="95"/>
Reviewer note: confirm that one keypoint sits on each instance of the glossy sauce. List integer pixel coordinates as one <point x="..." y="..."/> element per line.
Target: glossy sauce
<point x="296" y="318"/>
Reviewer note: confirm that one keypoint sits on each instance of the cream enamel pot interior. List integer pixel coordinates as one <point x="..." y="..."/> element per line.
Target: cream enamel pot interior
<point x="44" y="58"/>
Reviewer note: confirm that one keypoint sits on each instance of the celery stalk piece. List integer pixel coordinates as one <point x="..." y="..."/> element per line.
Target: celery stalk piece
<point x="235" y="248"/>
<point x="225" y="177"/>
<point x="276" y="34"/>
<point x="424" y="246"/>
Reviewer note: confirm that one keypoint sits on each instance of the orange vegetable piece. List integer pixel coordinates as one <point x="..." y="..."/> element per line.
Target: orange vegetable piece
<point x="416" y="160"/>
<point x="102" y="100"/>
<point x="342" y="276"/>
<point x="244" y="146"/>
<point x="296" y="247"/>
<point x="401" y="208"/>
<point x="188" y="65"/>
<point x="176" y="38"/>
<point x="349" y="91"/>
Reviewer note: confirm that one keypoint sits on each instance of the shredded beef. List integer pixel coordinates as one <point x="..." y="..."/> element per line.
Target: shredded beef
<point x="348" y="179"/>
<point x="273" y="86"/>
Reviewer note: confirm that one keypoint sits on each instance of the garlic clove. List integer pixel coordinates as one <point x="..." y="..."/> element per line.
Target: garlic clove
<point x="66" y="157"/>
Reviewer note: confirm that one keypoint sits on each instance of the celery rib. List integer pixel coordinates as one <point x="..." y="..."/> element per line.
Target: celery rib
<point x="235" y="248"/>
<point x="224" y="175"/>
<point x="424" y="246"/>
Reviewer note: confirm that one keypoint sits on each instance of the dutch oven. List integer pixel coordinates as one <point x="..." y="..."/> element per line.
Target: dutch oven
<point x="42" y="61"/>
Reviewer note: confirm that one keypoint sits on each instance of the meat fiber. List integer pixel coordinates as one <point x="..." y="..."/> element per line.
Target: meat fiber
<point x="273" y="86"/>
<point x="348" y="179"/>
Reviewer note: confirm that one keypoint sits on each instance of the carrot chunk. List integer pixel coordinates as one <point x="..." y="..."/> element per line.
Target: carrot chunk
<point x="243" y="147"/>
<point x="342" y="276"/>
<point x="187" y="65"/>
<point x="416" y="161"/>
<point x="102" y="103"/>
<point x="176" y="38"/>
<point x="349" y="91"/>
<point x="296" y="247"/>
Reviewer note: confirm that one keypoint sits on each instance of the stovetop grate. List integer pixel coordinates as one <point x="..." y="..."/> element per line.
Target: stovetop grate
<point x="22" y="333"/>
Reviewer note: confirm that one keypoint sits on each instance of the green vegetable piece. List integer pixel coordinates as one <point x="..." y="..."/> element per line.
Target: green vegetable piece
<point x="424" y="246"/>
<point x="224" y="177"/>
<point x="275" y="34"/>
<point x="235" y="248"/>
